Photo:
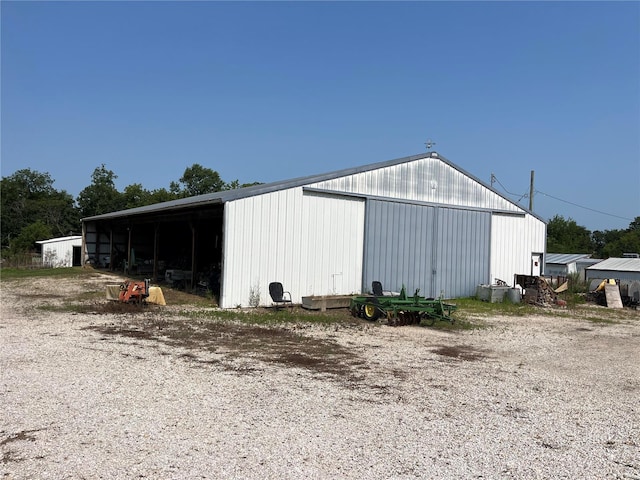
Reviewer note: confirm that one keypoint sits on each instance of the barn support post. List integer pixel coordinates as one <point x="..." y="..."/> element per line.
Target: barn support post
<point x="129" y="250"/>
<point x="84" y="254"/>
<point x="96" y="258"/>
<point x="110" y="248"/>
<point x="193" y="255"/>
<point x="155" y="251"/>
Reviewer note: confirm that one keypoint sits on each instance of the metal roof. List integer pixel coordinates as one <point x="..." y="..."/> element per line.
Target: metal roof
<point x="239" y="193"/>
<point x="565" y="258"/>
<point x="618" y="264"/>
<point x="60" y="239"/>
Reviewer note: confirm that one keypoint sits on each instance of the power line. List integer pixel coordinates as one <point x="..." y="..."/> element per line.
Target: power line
<point x="494" y="178"/>
<point x="582" y="206"/>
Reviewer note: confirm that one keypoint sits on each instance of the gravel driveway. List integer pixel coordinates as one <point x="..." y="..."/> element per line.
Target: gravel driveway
<point x="163" y="395"/>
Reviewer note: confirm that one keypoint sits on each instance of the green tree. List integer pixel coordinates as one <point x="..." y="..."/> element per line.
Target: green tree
<point x="618" y="242"/>
<point x="101" y="196"/>
<point x="601" y="239"/>
<point x="198" y="180"/>
<point x="29" y="235"/>
<point x="28" y="196"/>
<point x="234" y="184"/>
<point x="566" y="236"/>
<point x="162" y="195"/>
<point x="60" y="213"/>
<point x="135" y="195"/>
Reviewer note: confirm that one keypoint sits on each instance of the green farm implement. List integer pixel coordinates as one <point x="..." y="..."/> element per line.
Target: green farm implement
<point x="402" y="309"/>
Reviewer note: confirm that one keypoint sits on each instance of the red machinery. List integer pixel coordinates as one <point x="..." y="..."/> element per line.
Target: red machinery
<point x="134" y="292"/>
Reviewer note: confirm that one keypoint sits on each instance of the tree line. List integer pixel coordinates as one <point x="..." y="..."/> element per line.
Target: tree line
<point x="566" y="236"/>
<point x="32" y="209"/>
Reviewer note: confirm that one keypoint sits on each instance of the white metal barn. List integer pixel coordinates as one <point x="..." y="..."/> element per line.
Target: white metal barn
<point x="62" y="251"/>
<point x="417" y="221"/>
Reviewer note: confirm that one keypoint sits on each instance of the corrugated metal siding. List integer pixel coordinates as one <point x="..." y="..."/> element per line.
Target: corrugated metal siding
<point x="565" y="258"/>
<point x="60" y="253"/>
<point x="513" y="240"/>
<point x="617" y="274"/>
<point x="398" y="245"/>
<point x="463" y="245"/>
<point x="426" y="180"/>
<point x="621" y="264"/>
<point x="438" y="250"/>
<point x="312" y="244"/>
<point x="619" y="268"/>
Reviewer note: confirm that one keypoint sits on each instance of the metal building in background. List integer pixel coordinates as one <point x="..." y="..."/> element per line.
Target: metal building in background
<point x="565" y="264"/>
<point x="627" y="269"/>
<point x="62" y="251"/>
<point x="418" y="221"/>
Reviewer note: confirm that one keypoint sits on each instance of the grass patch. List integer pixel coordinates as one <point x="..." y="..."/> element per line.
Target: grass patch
<point x="577" y="308"/>
<point x="21" y="273"/>
<point x="471" y="307"/>
<point x="180" y="297"/>
<point x="459" y="324"/>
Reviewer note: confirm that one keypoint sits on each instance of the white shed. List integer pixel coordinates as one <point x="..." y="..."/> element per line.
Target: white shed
<point x="565" y="264"/>
<point x="418" y="221"/>
<point x="62" y="251"/>
<point x="627" y="269"/>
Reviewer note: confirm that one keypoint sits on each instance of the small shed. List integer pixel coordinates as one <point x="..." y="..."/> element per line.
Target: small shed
<point x="619" y="268"/>
<point x="62" y="251"/>
<point x="565" y="264"/>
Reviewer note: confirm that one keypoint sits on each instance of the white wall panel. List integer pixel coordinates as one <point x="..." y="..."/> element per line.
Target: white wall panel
<point x="59" y="253"/>
<point x="312" y="244"/>
<point x="513" y="240"/>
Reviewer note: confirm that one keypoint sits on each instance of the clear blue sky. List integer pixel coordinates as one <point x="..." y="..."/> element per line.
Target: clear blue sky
<point x="269" y="91"/>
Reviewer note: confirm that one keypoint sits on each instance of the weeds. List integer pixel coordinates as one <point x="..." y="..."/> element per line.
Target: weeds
<point x="471" y="307"/>
<point x="20" y="273"/>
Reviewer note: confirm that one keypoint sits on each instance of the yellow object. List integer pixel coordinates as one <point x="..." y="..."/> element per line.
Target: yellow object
<point x="610" y="281"/>
<point x="113" y="292"/>
<point x="155" y="296"/>
<point x="562" y="288"/>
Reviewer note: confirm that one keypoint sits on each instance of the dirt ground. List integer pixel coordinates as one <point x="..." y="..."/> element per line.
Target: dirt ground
<point x="89" y="389"/>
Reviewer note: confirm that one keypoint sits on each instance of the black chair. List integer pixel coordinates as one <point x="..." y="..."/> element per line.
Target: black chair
<point x="278" y="294"/>
<point x="377" y="288"/>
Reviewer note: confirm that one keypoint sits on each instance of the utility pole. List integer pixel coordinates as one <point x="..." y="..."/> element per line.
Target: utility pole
<point x="531" y="190"/>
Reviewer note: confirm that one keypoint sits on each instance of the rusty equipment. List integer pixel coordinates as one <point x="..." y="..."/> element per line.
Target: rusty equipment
<point x="402" y="309"/>
<point x="134" y="292"/>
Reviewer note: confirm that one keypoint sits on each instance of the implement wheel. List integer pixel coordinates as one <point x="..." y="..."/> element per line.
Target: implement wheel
<point x="370" y="310"/>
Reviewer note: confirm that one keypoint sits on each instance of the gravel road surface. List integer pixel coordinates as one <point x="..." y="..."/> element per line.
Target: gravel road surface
<point x="165" y="396"/>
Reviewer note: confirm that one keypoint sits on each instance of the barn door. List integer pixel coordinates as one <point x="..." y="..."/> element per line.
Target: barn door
<point x="438" y="250"/>
<point x="77" y="256"/>
<point x="398" y="246"/>
<point x="536" y="264"/>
